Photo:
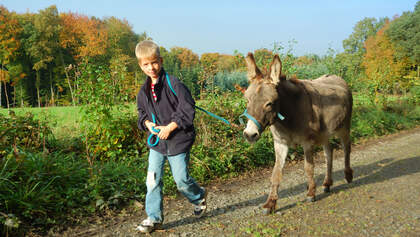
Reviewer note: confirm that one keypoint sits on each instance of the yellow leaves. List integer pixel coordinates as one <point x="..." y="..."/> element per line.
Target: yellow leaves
<point x="4" y="75"/>
<point x="381" y="64"/>
<point x="9" y="30"/>
<point x="86" y="36"/>
<point x="185" y="56"/>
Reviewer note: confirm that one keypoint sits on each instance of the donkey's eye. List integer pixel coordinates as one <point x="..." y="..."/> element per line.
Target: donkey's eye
<point x="268" y="106"/>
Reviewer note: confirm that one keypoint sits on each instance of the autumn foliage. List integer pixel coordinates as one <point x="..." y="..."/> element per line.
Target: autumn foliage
<point x="43" y="56"/>
<point x="382" y="68"/>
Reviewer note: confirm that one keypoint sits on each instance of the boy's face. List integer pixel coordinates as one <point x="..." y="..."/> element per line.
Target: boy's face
<point x="151" y="66"/>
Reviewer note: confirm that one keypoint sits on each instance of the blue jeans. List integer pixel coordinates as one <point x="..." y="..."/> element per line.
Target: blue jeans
<point x="185" y="184"/>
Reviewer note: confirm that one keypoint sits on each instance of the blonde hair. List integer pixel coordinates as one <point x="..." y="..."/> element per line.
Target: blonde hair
<point x="147" y="49"/>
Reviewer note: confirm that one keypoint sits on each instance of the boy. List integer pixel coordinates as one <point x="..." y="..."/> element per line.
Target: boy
<point x="166" y="111"/>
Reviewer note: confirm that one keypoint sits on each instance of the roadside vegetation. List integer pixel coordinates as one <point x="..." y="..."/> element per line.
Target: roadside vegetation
<point x="78" y="152"/>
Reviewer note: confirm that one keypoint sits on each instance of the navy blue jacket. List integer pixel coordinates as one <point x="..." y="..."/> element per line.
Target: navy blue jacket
<point x="179" y="108"/>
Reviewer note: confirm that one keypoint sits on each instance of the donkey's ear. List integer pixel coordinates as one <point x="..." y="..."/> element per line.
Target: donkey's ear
<point x="253" y="71"/>
<point x="275" y="70"/>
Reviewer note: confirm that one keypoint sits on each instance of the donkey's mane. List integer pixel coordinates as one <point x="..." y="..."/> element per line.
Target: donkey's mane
<point x="295" y="80"/>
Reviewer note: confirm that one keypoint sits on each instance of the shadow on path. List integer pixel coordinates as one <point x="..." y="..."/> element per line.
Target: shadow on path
<point x="375" y="172"/>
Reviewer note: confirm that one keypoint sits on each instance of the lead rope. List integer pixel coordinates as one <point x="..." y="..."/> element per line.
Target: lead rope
<point x="205" y="111"/>
<point x="244" y="114"/>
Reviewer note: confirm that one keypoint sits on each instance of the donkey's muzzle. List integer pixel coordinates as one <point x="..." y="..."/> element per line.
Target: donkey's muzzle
<point x="252" y="136"/>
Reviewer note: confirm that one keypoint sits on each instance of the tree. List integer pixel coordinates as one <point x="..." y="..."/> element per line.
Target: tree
<point x="383" y="70"/>
<point x="239" y="61"/>
<point x="354" y="47"/>
<point x="9" y="44"/>
<point x="44" y="44"/>
<point x="83" y="38"/>
<point x="226" y="63"/>
<point x="121" y="38"/>
<point x="404" y="32"/>
<point x="186" y="57"/>
<point x="208" y="62"/>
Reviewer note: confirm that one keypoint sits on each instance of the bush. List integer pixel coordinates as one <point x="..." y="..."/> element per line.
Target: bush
<point x="114" y="138"/>
<point x="311" y="71"/>
<point x="371" y="120"/>
<point x="415" y="94"/>
<point x="23" y="132"/>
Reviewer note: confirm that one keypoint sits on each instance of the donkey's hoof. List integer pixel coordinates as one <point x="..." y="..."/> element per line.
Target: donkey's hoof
<point x="310" y="199"/>
<point x="326" y="189"/>
<point x="267" y="211"/>
<point x="349" y="175"/>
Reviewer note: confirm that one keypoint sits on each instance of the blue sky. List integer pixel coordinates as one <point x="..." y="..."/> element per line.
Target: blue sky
<point x="224" y="26"/>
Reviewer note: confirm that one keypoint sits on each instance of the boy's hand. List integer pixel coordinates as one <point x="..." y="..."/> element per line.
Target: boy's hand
<point x="165" y="131"/>
<point x="149" y="126"/>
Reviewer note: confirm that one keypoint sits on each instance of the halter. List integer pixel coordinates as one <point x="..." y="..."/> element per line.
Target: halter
<point x="245" y="114"/>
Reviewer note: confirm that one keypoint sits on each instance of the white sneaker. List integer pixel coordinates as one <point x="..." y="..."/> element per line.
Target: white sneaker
<point x="201" y="207"/>
<point x="148" y="225"/>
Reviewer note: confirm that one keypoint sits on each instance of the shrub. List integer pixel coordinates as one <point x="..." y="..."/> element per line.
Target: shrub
<point x="23" y="132"/>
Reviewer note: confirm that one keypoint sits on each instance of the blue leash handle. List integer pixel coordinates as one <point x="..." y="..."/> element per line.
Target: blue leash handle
<point x="149" y="139"/>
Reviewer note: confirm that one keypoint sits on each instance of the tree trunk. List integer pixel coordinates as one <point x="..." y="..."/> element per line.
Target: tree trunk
<point x="52" y="90"/>
<point x="37" y="82"/>
<point x="6" y="94"/>
<point x="76" y="85"/>
<point x="68" y="78"/>
<point x="1" y="79"/>
<point x="14" y="95"/>
<point x="21" y="97"/>
<point x="0" y="92"/>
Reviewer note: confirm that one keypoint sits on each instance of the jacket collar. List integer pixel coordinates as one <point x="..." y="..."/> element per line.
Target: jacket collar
<point x="158" y="85"/>
<point x="160" y="79"/>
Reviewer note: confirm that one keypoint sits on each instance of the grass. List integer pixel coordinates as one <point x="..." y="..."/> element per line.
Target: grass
<point x="65" y="121"/>
<point x="46" y="189"/>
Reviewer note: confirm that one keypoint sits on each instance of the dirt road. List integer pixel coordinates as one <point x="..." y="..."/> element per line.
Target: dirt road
<point x="383" y="200"/>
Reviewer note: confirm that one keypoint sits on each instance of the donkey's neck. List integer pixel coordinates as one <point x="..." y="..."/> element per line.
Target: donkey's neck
<point x="289" y="99"/>
<point x="290" y="87"/>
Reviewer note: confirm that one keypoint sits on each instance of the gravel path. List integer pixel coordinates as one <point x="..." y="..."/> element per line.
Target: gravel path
<point x="383" y="200"/>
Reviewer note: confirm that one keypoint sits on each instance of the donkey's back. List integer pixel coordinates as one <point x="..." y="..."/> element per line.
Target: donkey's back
<point x="331" y="103"/>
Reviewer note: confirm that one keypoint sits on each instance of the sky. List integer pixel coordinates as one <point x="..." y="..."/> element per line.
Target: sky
<point x="224" y="26"/>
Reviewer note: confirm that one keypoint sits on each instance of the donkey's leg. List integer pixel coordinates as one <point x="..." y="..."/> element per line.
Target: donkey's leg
<point x="329" y="160"/>
<point x="309" y="171"/>
<point x="281" y="150"/>
<point x="346" y="143"/>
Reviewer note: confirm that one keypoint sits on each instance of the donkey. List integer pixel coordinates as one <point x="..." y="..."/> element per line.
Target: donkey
<point x="300" y="112"/>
